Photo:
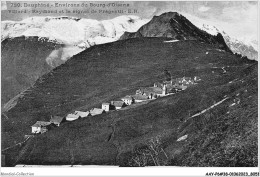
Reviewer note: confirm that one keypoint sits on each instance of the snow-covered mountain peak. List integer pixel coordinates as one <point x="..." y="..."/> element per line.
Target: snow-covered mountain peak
<point x="76" y="33"/>
<point x="71" y="30"/>
<point x="244" y="45"/>
<point x="83" y="33"/>
<point x="210" y="29"/>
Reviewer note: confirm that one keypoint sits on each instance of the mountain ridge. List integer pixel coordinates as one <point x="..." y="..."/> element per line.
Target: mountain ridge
<point x="248" y="49"/>
<point x="81" y="30"/>
<point x="174" y="25"/>
<point x="108" y="31"/>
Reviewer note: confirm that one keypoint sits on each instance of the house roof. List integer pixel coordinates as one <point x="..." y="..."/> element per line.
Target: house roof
<point x="140" y="97"/>
<point x="154" y="90"/>
<point x="158" y="84"/>
<point x="167" y="82"/>
<point x="81" y="113"/>
<point x="183" y="87"/>
<point x="128" y="97"/>
<point x="176" y="86"/>
<point x="105" y="103"/>
<point x="96" y="111"/>
<point x="182" y="78"/>
<point x="41" y="124"/>
<point x="56" y="119"/>
<point x="187" y="78"/>
<point x="117" y="103"/>
<point x="169" y="87"/>
<point x="72" y="116"/>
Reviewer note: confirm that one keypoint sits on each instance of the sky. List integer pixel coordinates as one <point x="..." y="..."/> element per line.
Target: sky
<point x="238" y="18"/>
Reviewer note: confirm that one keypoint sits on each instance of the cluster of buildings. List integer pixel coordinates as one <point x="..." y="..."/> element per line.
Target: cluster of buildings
<point x="142" y="94"/>
<point x="163" y="89"/>
<point x="55" y="121"/>
<point x="44" y="126"/>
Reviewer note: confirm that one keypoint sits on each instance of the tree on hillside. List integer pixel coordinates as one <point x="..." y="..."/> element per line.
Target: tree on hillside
<point x="167" y="75"/>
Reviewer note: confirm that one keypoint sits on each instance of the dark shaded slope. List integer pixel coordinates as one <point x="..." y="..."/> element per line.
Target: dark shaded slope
<point x="108" y="72"/>
<point x="227" y="135"/>
<point x="176" y="26"/>
<point x="23" y="61"/>
<point x="216" y="138"/>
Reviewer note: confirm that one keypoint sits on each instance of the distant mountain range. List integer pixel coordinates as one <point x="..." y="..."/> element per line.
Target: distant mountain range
<point x="78" y="34"/>
<point x="34" y="46"/>
<point x="72" y="31"/>
<point x="245" y="48"/>
<point x="63" y="37"/>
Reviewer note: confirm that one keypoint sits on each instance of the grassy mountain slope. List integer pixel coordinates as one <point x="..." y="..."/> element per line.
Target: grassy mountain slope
<point x="110" y="71"/>
<point x="23" y="61"/>
<point x="227" y="135"/>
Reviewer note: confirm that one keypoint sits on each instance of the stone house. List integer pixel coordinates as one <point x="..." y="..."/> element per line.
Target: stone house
<point x="118" y="104"/>
<point x="82" y="114"/>
<point x="128" y="100"/>
<point x="40" y="127"/>
<point x="106" y="106"/>
<point x="72" y="117"/>
<point x="56" y="120"/>
<point x="96" y="111"/>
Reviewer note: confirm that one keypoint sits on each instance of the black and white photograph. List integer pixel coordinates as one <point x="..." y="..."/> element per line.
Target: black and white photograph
<point x="165" y="85"/>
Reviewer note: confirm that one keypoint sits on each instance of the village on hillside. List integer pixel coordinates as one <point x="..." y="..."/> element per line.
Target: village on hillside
<point x="142" y="94"/>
